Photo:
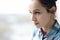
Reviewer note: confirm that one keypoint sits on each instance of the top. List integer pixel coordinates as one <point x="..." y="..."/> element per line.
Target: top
<point x="54" y="33"/>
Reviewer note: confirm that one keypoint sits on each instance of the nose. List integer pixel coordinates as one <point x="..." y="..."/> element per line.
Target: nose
<point x="33" y="18"/>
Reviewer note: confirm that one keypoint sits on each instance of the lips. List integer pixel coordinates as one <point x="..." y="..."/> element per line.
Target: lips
<point x="36" y="23"/>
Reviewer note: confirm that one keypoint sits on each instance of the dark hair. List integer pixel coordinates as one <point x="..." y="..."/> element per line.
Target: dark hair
<point x="48" y="4"/>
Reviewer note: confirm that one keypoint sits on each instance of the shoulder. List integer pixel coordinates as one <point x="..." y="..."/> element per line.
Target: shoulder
<point x="57" y="36"/>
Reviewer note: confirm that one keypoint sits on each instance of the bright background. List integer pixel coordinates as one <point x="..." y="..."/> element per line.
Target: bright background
<point x="15" y="20"/>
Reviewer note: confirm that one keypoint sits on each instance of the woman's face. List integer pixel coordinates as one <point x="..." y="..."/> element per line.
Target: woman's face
<point x="40" y="16"/>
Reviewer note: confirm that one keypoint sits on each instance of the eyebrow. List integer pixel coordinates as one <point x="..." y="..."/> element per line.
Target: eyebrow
<point x="34" y="10"/>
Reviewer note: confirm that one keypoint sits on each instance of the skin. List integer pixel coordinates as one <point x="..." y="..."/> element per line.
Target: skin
<point x="40" y="16"/>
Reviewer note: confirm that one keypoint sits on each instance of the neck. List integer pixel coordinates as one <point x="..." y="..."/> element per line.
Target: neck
<point x="47" y="28"/>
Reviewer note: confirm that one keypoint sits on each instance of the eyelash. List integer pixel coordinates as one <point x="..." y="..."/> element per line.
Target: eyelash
<point x="37" y="13"/>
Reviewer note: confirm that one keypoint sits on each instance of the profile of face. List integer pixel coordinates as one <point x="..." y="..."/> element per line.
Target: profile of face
<point x="40" y="16"/>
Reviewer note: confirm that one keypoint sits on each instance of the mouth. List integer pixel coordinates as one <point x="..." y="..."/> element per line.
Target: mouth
<point x="36" y="23"/>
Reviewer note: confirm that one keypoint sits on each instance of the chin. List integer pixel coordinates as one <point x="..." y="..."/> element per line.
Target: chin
<point x="38" y="26"/>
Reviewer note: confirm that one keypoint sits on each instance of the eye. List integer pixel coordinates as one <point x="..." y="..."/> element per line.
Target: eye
<point x="37" y="13"/>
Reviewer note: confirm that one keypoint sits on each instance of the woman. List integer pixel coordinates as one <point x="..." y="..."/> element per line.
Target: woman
<point x="43" y="16"/>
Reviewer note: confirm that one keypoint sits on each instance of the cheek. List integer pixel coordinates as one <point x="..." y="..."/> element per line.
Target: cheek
<point x="44" y="19"/>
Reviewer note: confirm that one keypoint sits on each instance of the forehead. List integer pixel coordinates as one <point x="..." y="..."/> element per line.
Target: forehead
<point x="35" y="5"/>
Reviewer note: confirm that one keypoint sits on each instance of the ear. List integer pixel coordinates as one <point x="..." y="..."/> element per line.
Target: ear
<point x="53" y="10"/>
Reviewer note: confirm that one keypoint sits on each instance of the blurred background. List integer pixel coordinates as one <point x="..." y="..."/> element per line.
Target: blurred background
<point x="15" y="20"/>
